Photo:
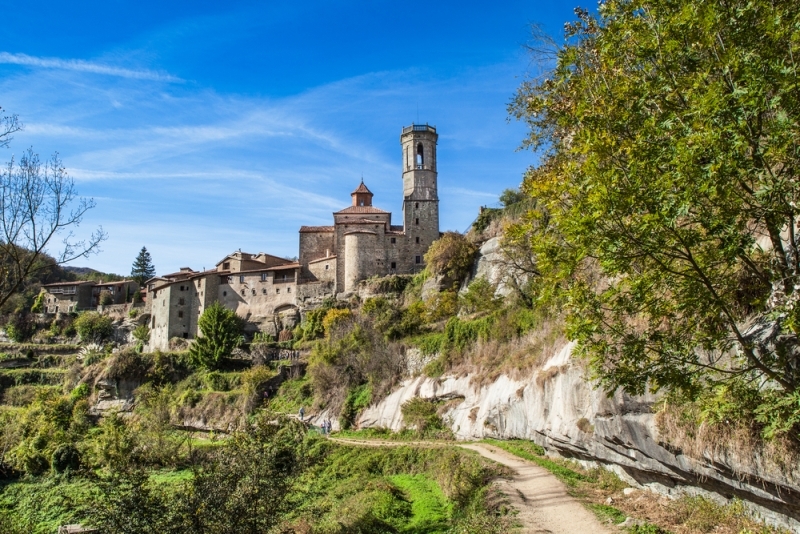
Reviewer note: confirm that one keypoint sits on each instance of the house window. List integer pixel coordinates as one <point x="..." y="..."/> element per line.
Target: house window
<point x="416" y="221"/>
<point x="277" y="290"/>
<point x="230" y="279"/>
<point x="241" y="279"/>
<point x="254" y="292"/>
<point x="224" y="293"/>
<point x="393" y="240"/>
<point x="163" y="302"/>
<point x="417" y="259"/>
<point x="264" y="291"/>
<point x="263" y="277"/>
<point x="181" y="301"/>
<point x="417" y="241"/>
<point x="242" y="292"/>
<point x="394" y="265"/>
<point x="180" y="315"/>
<point x="326" y="266"/>
<point x="288" y="289"/>
<point x="226" y="265"/>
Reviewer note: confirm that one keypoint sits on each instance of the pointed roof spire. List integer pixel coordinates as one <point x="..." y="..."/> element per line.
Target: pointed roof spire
<point x="362" y="196"/>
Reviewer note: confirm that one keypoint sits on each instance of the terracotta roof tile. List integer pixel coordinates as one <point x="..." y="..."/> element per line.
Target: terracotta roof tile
<point x="361" y="209"/>
<point x="361" y="189"/>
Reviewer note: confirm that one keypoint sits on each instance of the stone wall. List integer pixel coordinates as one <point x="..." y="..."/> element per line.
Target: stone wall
<point x="313" y="246"/>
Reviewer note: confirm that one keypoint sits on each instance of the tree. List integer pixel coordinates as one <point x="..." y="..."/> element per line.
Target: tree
<point x="221" y="332"/>
<point x="669" y="133"/>
<point x="143" y="268"/>
<point x="38" y="202"/>
<point x="451" y="256"/>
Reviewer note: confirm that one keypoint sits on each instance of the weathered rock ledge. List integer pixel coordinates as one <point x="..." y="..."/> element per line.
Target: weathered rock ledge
<point x="620" y="433"/>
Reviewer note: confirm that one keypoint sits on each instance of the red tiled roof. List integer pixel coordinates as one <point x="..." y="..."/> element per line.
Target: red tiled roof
<point x="361" y="189"/>
<point x="324" y="258"/>
<point x="361" y="209"/>
<point x="75" y="283"/>
<point x="312" y="229"/>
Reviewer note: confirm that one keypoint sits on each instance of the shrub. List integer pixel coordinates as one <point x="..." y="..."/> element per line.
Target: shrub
<point x="422" y="415"/>
<point x="65" y="457"/>
<point x="137" y="297"/>
<point x="106" y="298"/>
<point x="94" y="327"/>
<point x="38" y="303"/>
<point x="335" y="318"/>
<point x="479" y="296"/>
<point x="451" y="256"/>
<point x="20" y="327"/>
<point x="221" y="332"/>
<point x="133" y="313"/>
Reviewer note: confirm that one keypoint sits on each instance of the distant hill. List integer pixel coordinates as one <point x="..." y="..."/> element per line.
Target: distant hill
<point x="87" y="273"/>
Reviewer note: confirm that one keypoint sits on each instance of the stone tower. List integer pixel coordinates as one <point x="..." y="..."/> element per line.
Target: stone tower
<point x="420" y="197"/>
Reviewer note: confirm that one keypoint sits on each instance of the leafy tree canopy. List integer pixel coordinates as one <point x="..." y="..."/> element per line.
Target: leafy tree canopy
<point x="669" y="132"/>
<point x="222" y="332"/>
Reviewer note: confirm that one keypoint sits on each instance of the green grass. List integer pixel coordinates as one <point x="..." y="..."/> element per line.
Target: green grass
<point x="40" y="506"/>
<point x="291" y="396"/>
<point x="430" y="509"/>
<point x="168" y="477"/>
<point x="607" y="513"/>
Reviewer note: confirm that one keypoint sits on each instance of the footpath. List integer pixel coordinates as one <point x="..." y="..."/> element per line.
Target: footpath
<point x="542" y="501"/>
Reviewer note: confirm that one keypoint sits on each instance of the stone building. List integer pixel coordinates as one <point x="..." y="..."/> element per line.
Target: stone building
<point x="268" y="291"/>
<point x="363" y="242"/>
<point x="66" y="297"/>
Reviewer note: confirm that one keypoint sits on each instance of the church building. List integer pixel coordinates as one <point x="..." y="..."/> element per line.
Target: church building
<point x="363" y="242"/>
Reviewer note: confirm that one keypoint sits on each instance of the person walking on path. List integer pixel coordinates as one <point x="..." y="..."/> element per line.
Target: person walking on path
<point x="302" y="413"/>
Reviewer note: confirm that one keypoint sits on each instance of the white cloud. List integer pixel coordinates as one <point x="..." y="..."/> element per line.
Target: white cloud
<point x="85" y="66"/>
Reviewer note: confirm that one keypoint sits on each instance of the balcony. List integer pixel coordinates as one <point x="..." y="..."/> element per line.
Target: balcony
<point x="419" y="128"/>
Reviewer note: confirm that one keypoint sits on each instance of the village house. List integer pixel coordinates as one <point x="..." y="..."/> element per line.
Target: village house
<point x="268" y="291"/>
<point x="67" y="297"/>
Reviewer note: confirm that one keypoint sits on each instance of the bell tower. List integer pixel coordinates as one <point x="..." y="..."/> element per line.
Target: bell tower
<point x="420" y="190"/>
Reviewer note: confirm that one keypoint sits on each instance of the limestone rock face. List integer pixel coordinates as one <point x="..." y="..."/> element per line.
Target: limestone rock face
<point x="491" y="265"/>
<point x="557" y="408"/>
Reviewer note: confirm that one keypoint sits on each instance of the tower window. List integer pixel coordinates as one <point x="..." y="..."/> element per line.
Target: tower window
<point x="420" y="156"/>
<point x="181" y="302"/>
<point x="393" y="240"/>
<point x="394" y="265"/>
<point x="417" y="259"/>
<point x="416" y="221"/>
<point x="416" y="204"/>
<point x="224" y="293"/>
<point x="180" y="315"/>
<point x="417" y="241"/>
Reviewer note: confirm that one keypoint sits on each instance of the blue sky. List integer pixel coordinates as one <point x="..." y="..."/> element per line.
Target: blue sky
<point x="203" y="127"/>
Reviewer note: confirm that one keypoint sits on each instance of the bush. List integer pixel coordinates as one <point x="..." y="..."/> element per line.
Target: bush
<point x="451" y="256"/>
<point x="479" y="296"/>
<point x="65" y="457"/>
<point x="20" y="327"/>
<point x="422" y="415"/>
<point x="94" y="327"/>
<point x="38" y="303"/>
<point x="335" y="318"/>
<point x="106" y="298"/>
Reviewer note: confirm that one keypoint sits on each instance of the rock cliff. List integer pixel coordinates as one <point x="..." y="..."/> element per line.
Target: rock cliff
<point x="557" y="408"/>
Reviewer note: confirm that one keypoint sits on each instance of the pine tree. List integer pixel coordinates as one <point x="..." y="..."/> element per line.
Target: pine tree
<point x="143" y="268"/>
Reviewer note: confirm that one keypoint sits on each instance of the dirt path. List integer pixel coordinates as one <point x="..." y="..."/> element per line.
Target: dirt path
<point x="541" y="499"/>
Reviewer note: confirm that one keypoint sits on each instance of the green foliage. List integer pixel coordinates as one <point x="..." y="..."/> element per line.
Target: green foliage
<point x="221" y="332"/>
<point x="335" y="318"/>
<point x="391" y="318"/>
<point x="65" y="457"/>
<point x="357" y="399"/>
<point x="20" y="327"/>
<point x="291" y="395"/>
<point x="137" y="297"/>
<point x="106" y="298"/>
<point x="608" y="513"/>
<point x="38" y="303"/>
<point x="450" y="256"/>
<point x="94" y="327"/>
<point x="423" y="416"/>
<point x="142" y="269"/>
<point x="665" y="164"/>
<point x="485" y="218"/>
<point x="479" y="297"/>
